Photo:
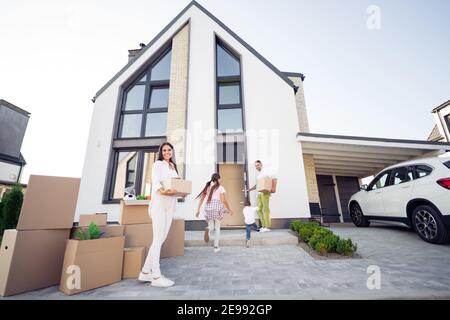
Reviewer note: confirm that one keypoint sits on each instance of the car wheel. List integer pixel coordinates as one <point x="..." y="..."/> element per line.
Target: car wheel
<point x="429" y="226"/>
<point x="357" y="216"/>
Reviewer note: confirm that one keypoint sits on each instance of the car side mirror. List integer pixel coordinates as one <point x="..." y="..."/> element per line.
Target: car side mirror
<point x="364" y="187"/>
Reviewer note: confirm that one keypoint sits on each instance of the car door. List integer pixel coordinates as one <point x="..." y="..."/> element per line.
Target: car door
<point x="398" y="193"/>
<point x="372" y="204"/>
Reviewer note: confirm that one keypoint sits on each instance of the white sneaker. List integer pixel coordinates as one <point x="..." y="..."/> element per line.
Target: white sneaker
<point x="263" y="229"/>
<point x="146" y="277"/>
<point x="216" y="250"/>
<point x="267" y="230"/>
<point x="162" y="282"/>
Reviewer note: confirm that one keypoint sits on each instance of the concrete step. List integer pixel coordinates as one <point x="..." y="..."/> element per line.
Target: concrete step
<point x="237" y="238"/>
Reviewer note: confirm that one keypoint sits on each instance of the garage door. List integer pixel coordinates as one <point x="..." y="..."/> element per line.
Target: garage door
<point x="347" y="186"/>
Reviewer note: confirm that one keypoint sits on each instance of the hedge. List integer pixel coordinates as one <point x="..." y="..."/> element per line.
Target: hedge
<point x="322" y="240"/>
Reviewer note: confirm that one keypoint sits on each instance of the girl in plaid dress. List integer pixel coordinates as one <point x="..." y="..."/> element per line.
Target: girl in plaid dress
<point x="215" y="208"/>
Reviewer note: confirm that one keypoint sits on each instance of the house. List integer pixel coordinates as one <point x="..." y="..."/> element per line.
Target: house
<point x="441" y="131"/>
<point x="13" y="123"/>
<point x="198" y="85"/>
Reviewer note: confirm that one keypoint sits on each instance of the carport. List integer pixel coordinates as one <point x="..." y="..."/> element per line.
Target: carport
<point x="340" y="162"/>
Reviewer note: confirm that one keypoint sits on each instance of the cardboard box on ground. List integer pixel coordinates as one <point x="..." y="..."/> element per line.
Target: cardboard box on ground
<point x="90" y="264"/>
<point x="133" y="260"/>
<point x="31" y="259"/>
<point x="32" y="256"/>
<point x="141" y="235"/>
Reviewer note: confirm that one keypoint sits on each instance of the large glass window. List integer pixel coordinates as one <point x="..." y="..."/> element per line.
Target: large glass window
<point x="133" y="170"/>
<point x="229" y="104"/>
<point x="125" y="172"/>
<point x="145" y="102"/>
<point x="227" y="63"/>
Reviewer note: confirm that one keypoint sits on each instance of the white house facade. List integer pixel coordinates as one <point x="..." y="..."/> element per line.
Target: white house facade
<point x="222" y="105"/>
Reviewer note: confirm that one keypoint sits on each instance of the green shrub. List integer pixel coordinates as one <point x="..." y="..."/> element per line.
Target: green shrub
<point x="295" y="225"/>
<point x="322" y="240"/>
<point x="318" y="235"/>
<point x="92" y="233"/>
<point x="306" y="231"/>
<point x="140" y="197"/>
<point x="11" y="206"/>
<point x="346" y="247"/>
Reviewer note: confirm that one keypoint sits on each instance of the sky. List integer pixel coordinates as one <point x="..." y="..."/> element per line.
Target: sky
<point x="373" y="68"/>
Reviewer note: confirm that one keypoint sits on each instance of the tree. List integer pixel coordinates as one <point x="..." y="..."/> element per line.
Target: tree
<point x="10" y="209"/>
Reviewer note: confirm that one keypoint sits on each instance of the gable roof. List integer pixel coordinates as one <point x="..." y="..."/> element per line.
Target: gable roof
<point x="13" y="107"/>
<point x="435" y="135"/>
<point x="442" y="106"/>
<point x="282" y="75"/>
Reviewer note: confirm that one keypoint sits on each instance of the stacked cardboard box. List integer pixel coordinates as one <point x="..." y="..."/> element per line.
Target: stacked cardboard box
<point x="139" y="234"/>
<point x="32" y="256"/>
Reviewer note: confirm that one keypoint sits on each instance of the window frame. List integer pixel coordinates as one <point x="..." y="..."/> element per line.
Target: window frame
<point x="149" y="86"/>
<point x="140" y="152"/>
<point x="447" y="121"/>
<point x="228" y="80"/>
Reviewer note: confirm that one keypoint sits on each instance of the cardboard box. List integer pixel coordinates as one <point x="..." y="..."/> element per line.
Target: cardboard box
<point x="134" y="214"/>
<point x="183" y="187"/>
<point x="31" y="260"/>
<point x="264" y="185"/>
<point x="141" y="235"/>
<point x="49" y="203"/>
<point x="133" y="260"/>
<point x="174" y="244"/>
<point x="97" y="263"/>
<point x="110" y="230"/>
<point x="138" y="235"/>
<point x="100" y="219"/>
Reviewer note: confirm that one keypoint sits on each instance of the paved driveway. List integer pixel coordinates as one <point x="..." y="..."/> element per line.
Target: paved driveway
<point x="410" y="268"/>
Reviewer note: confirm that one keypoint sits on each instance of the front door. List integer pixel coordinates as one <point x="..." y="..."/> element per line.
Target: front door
<point x="232" y="179"/>
<point x="328" y="202"/>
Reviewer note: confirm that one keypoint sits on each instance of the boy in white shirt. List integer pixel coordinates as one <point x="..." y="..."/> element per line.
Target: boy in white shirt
<point x="249" y="216"/>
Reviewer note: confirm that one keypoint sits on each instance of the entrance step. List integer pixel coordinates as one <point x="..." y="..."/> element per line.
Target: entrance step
<point x="237" y="238"/>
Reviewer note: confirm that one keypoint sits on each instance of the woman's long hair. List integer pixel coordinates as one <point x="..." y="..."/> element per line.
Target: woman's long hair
<point x="214" y="178"/>
<point x="161" y="157"/>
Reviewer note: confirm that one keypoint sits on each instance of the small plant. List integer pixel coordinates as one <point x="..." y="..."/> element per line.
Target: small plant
<point x="92" y="233"/>
<point x="346" y="247"/>
<point x="140" y="197"/>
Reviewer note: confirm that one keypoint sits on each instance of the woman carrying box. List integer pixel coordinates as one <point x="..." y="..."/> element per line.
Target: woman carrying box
<point x="215" y="208"/>
<point x="161" y="210"/>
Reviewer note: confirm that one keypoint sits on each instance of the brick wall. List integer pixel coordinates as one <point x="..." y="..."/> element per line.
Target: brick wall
<point x="176" y="117"/>
<point x="301" y="105"/>
<point x="311" y="179"/>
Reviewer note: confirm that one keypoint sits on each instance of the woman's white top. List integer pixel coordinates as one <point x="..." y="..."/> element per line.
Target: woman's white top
<point x="161" y="171"/>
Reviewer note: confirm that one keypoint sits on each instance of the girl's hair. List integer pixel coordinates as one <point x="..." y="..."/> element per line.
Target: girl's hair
<point x="214" y="178"/>
<point x="161" y="157"/>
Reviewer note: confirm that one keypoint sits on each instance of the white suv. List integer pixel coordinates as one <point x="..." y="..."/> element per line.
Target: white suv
<point x="415" y="193"/>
